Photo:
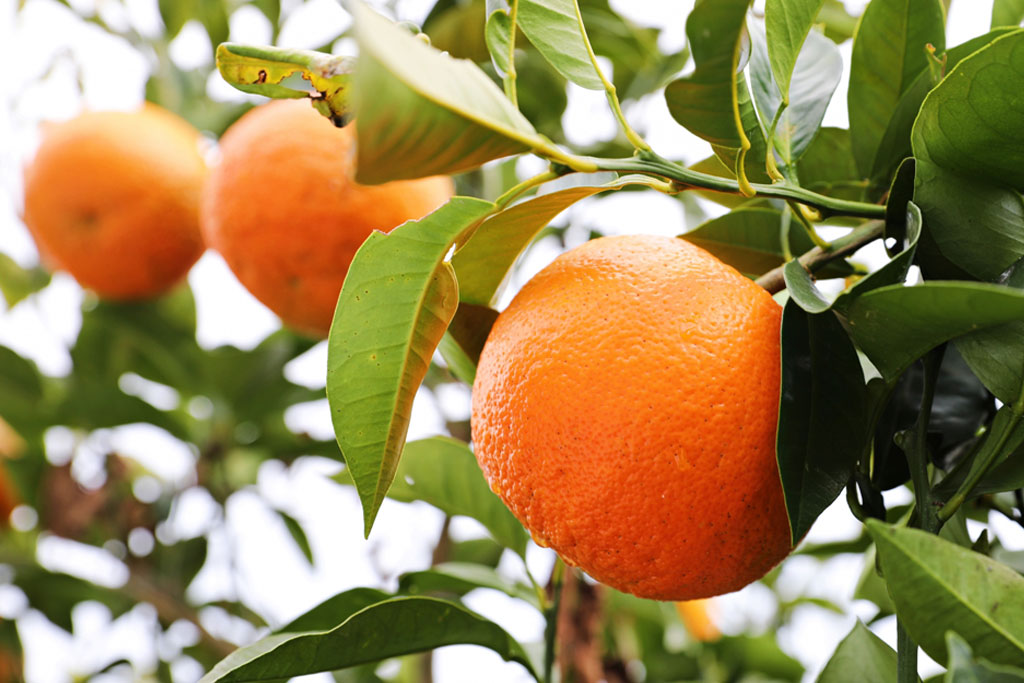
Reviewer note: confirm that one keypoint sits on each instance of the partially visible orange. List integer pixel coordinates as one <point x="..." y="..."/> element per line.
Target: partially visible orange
<point x="696" y="617"/>
<point x="625" y="409"/>
<point x="112" y="197"/>
<point x="284" y="211"/>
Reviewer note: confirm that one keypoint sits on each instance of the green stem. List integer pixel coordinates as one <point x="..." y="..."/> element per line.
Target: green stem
<point x="917" y="447"/>
<point x="906" y="656"/>
<point x="510" y="76"/>
<point x="517" y="190"/>
<point x="770" y="166"/>
<point x="551" y="619"/>
<point x="613" y="99"/>
<point x="808" y="228"/>
<point x="651" y="164"/>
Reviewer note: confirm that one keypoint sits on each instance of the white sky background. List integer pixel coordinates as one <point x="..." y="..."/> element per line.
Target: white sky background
<point x="271" y="574"/>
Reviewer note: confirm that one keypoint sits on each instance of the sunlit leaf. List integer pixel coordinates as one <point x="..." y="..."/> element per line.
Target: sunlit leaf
<point x="787" y="23"/>
<point x="394" y="627"/>
<point x="397" y="300"/>
<point x="459" y="578"/>
<point x="17" y="282"/>
<point x="938" y="586"/>
<point x="555" y="28"/>
<point x="860" y="656"/>
<point x="1007" y="13"/>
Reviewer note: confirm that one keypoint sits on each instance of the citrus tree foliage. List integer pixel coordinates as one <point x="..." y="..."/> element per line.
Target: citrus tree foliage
<point x="909" y="373"/>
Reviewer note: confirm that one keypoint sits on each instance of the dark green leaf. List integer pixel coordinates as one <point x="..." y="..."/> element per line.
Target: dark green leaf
<point x="969" y="144"/>
<point x="422" y="112"/>
<point x="334" y="610"/>
<point x="1007" y="13"/>
<point x="398" y="298"/>
<point x="458" y="30"/>
<point x="888" y="54"/>
<point x="822" y="414"/>
<point x="828" y="167"/>
<point x="963" y="668"/>
<point x="297" y="534"/>
<point x="896" y="325"/>
<point x="938" y="586"/>
<point x="895" y="271"/>
<point x="386" y="629"/>
<point x="462" y="343"/>
<point x="802" y="290"/>
<point x="21" y="392"/>
<point x="459" y="578"/>
<point x="861" y="656"/>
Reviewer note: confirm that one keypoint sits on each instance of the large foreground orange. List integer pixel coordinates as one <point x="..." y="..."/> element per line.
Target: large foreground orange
<point x="112" y="197"/>
<point x="625" y="410"/>
<point x="284" y="211"/>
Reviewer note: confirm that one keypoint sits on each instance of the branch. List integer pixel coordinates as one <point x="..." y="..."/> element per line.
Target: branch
<point x="817" y="258"/>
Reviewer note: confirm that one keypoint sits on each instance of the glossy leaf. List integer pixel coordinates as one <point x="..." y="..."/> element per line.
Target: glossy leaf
<point x="750" y="240"/>
<point x="397" y="300"/>
<point x="895" y="271"/>
<point x="822" y="412"/>
<point x="422" y="112"/>
<point x="888" y="54"/>
<point x="962" y="667"/>
<point x="827" y="166"/>
<point x="815" y="77"/>
<point x="787" y="23"/>
<point x="460" y="578"/>
<point x="938" y="586"/>
<point x="484" y="262"/>
<point x="969" y="144"/>
<point x="1007" y="13"/>
<point x="555" y="28"/>
<point x="802" y="290"/>
<point x="896" y="325"/>
<point x="754" y="159"/>
<point x="335" y="610"/>
<point x="263" y="70"/>
<point x="444" y="473"/>
<point x="860" y="656"/>
<point x="498" y="32"/>
<point x="706" y="102"/>
<point x="391" y="628"/>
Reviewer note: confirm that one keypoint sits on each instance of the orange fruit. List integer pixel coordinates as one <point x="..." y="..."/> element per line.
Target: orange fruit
<point x="283" y="209"/>
<point x="625" y="409"/>
<point x="696" y="617"/>
<point x="112" y="197"/>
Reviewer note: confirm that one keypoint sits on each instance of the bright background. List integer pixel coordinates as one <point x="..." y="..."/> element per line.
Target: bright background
<point x="57" y="64"/>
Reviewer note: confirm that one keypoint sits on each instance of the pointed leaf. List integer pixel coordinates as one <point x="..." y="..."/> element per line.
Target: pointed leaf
<point x="787" y="23"/>
<point x="895" y="271"/>
<point x="263" y="69"/>
<point x="444" y="473"/>
<point x="860" y="656"/>
<point x="818" y="71"/>
<point x="969" y="142"/>
<point x="297" y="534"/>
<point x="17" y="283"/>
<point x="498" y="33"/>
<point x="335" y="610"/>
<point x="391" y="628"/>
<point x="555" y="28"/>
<point x="888" y="53"/>
<point x="802" y="290"/>
<point x="424" y="113"/>
<point x="397" y="300"/>
<point x="822" y="413"/>
<point x="483" y="264"/>
<point x="706" y="102"/>
<point x="896" y="325"/>
<point x="962" y="667"/>
<point x="938" y="586"/>
<point x="1007" y="13"/>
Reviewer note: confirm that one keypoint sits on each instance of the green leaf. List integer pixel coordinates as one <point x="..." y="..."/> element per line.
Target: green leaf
<point x="839" y="24"/>
<point x="822" y="413"/>
<point x="888" y="54"/>
<point x="424" y="113"/>
<point x="860" y="656"/>
<point x="827" y="166"/>
<point x="707" y="101"/>
<point x="335" y="610"/>
<point x="896" y="325"/>
<point x="755" y="158"/>
<point x="17" y="283"/>
<point x="1007" y="13"/>
<point x="555" y="28"/>
<point x="498" y="33"/>
<point x="969" y="142"/>
<point x="963" y="668"/>
<point x="802" y="290"/>
<point x="484" y="262"/>
<point x="264" y="70"/>
<point x="398" y="298"/>
<point x="895" y="271"/>
<point x="462" y="343"/>
<point x="818" y="71"/>
<point x="391" y="628"/>
<point x="750" y="240"/>
<point x="21" y="392"/>
<point x="297" y="534"/>
<point x="444" y="473"/>
<point x="460" y="578"/>
<point x="455" y="29"/>
<point x="787" y="23"/>
<point x="938" y="586"/>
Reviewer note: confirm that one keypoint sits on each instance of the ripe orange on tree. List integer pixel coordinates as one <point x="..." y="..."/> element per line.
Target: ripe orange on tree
<point x="284" y="211"/>
<point x="112" y="197"/>
<point x="625" y="409"/>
